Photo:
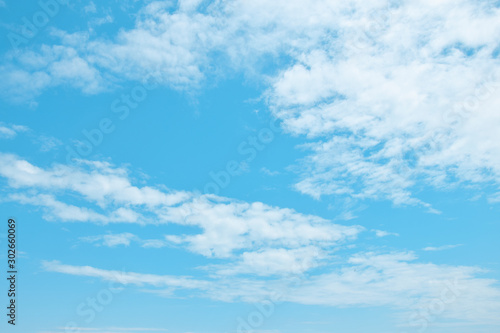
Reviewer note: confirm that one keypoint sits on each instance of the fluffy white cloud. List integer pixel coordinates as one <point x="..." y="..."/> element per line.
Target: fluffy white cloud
<point x="171" y="45"/>
<point x="229" y="226"/>
<point x="390" y="94"/>
<point x="28" y="74"/>
<point x="247" y="233"/>
<point x="260" y="251"/>
<point x="98" y="182"/>
<point x="413" y="99"/>
<point x="279" y="261"/>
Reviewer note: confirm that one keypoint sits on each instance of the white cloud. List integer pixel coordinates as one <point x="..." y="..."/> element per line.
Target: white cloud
<point x="154" y="243"/>
<point x="275" y="262"/>
<point x="229" y="226"/>
<point x="365" y="279"/>
<point x="48" y="143"/>
<point x="125" y="278"/>
<point x="259" y="250"/>
<point x="394" y="279"/>
<point x="269" y="172"/>
<point x="382" y="233"/>
<point x="110" y="240"/>
<point x="441" y="248"/>
<point x="246" y="233"/>
<point x="90" y="8"/>
<point x="98" y="21"/>
<point x="11" y="131"/>
<point x="415" y="101"/>
<point x="494" y="198"/>
<point x="390" y="95"/>
<point x="172" y="46"/>
<point x="97" y="182"/>
<point x="125" y="238"/>
<point x="189" y="5"/>
<point x="387" y="98"/>
<point x="57" y="210"/>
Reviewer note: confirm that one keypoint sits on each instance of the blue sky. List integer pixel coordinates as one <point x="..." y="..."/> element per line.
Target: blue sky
<point x="235" y="166"/>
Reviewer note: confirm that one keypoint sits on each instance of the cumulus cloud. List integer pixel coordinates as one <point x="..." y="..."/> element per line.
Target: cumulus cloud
<point x="260" y="250"/>
<point x="246" y="233"/>
<point x="411" y="100"/>
<point x="229" y="226"/>
<point x="280" y="261"/>
<point x="30" y="73"/>
<point x="388" y="95"/>
<point x="169" y="45"/>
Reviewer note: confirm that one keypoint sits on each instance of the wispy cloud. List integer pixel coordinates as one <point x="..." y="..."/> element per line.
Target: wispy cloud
<point x="377" y="126"/>
<point x="386" y="105"/>
<point x="253" y="235"/>
<point x="11" y="131"/>
<point x="382" y="233"/>
<point x="110" y="240"/>
<point x="268" y="172"/>
<point x="364" y="279"/>
<point x="441" y="248"/>
<point x="387" y="97"/>
<point x="125" y="277"/>
<point x="90" y="8"/>
<point x="48" y="143"/>
<point x="125" y="239"/>
<point x="257" y="247"/>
